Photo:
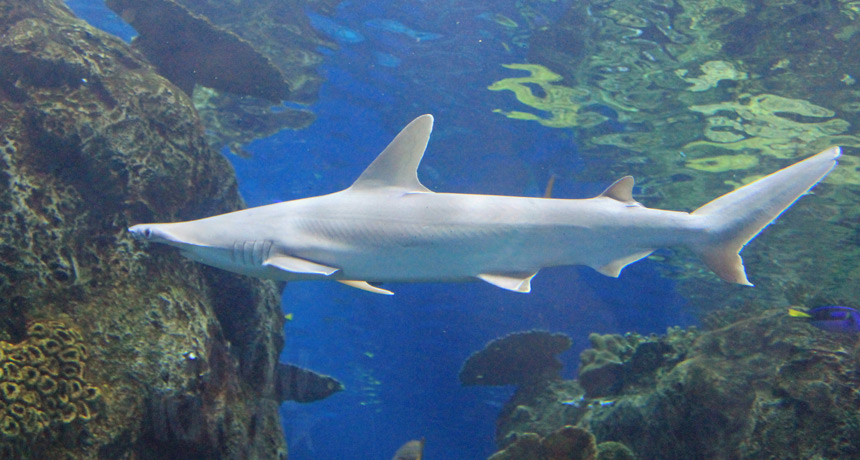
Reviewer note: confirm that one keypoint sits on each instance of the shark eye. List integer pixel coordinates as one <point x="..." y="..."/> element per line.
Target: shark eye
<point x="147" y="233"/>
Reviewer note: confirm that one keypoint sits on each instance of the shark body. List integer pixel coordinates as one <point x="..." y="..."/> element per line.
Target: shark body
<point x="387" y="227"/>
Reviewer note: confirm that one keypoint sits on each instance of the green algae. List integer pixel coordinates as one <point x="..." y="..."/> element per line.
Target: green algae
<point x="564" y="104"/>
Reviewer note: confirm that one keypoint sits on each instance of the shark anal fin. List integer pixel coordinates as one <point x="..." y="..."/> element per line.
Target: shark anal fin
<point x="511" y="282"/>
<point x="614" y="267"/>
<point x="297" y="265"/>
<point x="365" y="286"/>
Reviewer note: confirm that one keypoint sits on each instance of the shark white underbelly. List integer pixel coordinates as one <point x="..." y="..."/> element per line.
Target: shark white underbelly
<point x="387" y="227"/>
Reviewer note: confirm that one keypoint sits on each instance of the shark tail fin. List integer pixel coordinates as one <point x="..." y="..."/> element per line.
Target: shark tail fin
<point x="732" y="220"/>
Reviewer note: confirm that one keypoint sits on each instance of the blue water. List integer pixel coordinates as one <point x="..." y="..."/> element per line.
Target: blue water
<point x="399" y="356"/>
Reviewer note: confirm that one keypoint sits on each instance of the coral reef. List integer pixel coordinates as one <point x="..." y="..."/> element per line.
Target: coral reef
<point x="522" y="358"/>
<point x="612" y="450"/>
<point x="567" y="443"/>
<point x="43" y="390"/>
<point x="93" y="140"/>
<point x="768" y="386"/>
<point x="601" y="365"/>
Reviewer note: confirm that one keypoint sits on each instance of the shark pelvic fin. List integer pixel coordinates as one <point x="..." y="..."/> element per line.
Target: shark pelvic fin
<point x="397" y="165"/>
<point x="614" y="268"/>
<point x="511" y="282"/>
<point x="365" y="286"/>
<point x="621" y="190"/>
<point x="296" y="265"/>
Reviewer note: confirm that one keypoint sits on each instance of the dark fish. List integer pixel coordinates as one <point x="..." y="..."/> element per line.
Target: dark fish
<point x="831" y="318"/>
<point x="412" y="450"/>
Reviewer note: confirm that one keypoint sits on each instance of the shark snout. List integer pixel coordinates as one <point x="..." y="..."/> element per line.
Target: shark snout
<point x="148" y="232"/>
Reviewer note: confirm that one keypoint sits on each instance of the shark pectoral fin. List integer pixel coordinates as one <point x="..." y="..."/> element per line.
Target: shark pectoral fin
<point x="365" y="286"/>
<point x="511" y="282"/>
<point x="614" y="267"/>
<point x="296" y="265"/>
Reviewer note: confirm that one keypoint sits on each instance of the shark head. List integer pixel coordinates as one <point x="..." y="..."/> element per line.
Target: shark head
<point x="158" y="233"/>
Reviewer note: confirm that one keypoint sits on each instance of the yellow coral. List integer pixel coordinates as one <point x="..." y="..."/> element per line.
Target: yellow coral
<point x="10" y="390"/>
<point x="29" y="375"/>
<point x="17" y="410"/>
<point x="723" y="163"/>
<point x="91" y="393"/>
<point x="38" y="330"/>
<point x="71" y="370"/>
<point x="41" y="383"/>
<point x="563" y="103"/>
<point x="50" y="345"/>
<point x="47" y="385"/>
<point x="68" y="413"/>
<point x="9" y="427"/>
<point x="50" y="366"/>
<point x="70" y="354"/>
<point x="12" y="371"/>
<point x="83" y="410"/>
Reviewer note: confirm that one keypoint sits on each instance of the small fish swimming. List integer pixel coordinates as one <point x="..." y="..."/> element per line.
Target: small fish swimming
<point x="499" y="19"/>
<point x="832" y="318"/>
<point x="397" y="27"/>
<point x="336" y="31"/>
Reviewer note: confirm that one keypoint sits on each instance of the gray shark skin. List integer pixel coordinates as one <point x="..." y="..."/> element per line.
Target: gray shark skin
<point x="387" y="227"/>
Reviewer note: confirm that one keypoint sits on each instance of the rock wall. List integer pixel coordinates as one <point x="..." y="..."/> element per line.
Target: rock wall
<point x="178" y="359"/>
<point x="767" y="387"/>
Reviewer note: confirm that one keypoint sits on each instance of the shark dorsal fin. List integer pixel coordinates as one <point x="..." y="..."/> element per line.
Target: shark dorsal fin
<point x="397" y="165"/>
<point x="620" y="190"/>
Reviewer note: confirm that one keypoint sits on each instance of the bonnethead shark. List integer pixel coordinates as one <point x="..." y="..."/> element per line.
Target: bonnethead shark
<point x="387" y="227"/>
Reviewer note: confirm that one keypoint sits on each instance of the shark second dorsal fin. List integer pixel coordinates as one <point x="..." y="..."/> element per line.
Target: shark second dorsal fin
<point x="620" y="190"/>
<point x="397" y="165"/>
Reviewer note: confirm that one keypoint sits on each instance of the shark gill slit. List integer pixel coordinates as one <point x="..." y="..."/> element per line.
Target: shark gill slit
<point x="247" y="258"/>
<point x="259" y="252"/>
<point x="234" y="253"/>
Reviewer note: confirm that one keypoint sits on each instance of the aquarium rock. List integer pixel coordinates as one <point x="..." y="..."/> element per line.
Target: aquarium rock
<point x="180" y="361"/>
<point x="521" y="358"/>
<point x="732" y="392"/>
